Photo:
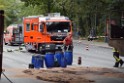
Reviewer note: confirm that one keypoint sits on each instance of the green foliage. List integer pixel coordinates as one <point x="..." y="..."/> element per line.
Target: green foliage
<point x="11" y="8"/>
<point x="85" y="14"/>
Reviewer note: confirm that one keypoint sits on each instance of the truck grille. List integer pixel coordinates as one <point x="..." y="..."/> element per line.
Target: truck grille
<point x="57" y="38"/>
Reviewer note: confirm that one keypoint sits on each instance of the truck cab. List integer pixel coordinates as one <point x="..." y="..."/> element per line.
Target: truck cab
<point x="45" y="33"/>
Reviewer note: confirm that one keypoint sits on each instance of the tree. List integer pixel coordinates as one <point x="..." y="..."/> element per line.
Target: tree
<point x="11" y="8"/>
<point x="45" y="5"/>
<point x="85" y="14"/>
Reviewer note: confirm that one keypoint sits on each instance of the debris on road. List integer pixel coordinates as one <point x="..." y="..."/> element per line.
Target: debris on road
<point x="72" y="74"/>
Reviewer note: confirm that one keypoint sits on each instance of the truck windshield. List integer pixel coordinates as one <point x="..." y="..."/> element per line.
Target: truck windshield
<point x="18" y="29"/>
<point x="58" y="26"/>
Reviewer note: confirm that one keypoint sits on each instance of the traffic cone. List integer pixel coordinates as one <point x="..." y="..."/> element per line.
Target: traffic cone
<point x="87" y="47"/>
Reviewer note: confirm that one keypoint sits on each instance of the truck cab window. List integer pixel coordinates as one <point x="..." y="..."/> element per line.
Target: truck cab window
<point x="35" y="26"/>
<point x="41" y="28"/>
<point x="20" y="29"/>
<point x="15" y="30"/>
<point x="27" y="27"/>
<point x="32" y="26"/>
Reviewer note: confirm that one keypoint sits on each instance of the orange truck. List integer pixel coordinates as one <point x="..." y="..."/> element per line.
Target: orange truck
<point x="45" y="33"/>
<point x="13" y="34"/>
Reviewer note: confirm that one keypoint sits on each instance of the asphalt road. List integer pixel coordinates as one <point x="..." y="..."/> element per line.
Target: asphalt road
<point x="95" y="56"/>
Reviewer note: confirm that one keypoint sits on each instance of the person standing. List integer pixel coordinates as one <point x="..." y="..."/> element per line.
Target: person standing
<point x="68" y="45"/>
<point x="117" y="58"/>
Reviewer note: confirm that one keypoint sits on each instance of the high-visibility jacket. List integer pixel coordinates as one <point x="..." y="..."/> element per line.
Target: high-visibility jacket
<point x="115" y="50"/>
<point x="116" y="55"/>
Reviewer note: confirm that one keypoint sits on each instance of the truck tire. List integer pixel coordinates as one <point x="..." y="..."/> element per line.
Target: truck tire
<point x="10" y="44"/>
<point x="5" y="42"/>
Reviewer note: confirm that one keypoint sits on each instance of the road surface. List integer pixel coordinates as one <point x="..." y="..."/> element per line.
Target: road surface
<point x="91" y="55"/>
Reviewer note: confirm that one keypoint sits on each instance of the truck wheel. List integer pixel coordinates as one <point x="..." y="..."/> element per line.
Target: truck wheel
<point x="27" y="48"/>
<point x="10" y="44"/>
<point x="43" y="52"/>
<point x="5" y="42"/>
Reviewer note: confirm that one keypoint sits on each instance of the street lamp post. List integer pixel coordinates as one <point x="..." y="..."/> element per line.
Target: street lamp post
<point x="1" y="38"/>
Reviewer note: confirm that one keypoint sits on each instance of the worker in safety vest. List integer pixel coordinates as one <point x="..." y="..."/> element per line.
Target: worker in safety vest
<point x="68" y="42"/>
<point x="117" y="58"/>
